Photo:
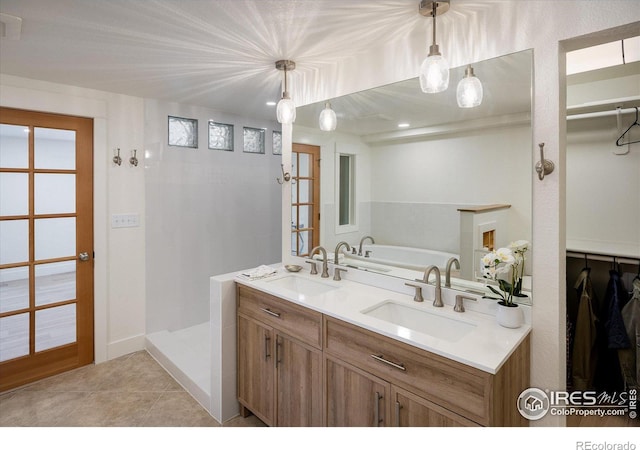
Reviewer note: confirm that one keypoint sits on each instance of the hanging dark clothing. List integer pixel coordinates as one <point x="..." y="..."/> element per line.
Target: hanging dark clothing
<point x="584" y="353"/>
<point x="630" y="358"/>
<point x="615" y="299"/>
<point x="612" y="336"/>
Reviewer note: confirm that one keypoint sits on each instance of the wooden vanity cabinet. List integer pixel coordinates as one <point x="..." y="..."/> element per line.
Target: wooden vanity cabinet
<point x="279" y="360"/>
<point x="355" y="398"/>
<point x="298" y="367"/>
<point x="428" y="389"/>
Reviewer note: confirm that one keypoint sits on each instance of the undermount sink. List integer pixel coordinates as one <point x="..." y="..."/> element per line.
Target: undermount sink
<point x="301" y="285"/>
<point x="417" y="319"/>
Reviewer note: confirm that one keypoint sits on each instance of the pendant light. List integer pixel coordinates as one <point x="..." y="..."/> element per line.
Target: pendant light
<point x="328" y="119"/>
<point x="286" y="109"/>
<point x="434" y="71"/>
<point x="469" y="92"/>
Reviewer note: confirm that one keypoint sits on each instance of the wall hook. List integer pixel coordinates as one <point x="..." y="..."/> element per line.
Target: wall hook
<point x="544" y="166"/>
<point x="116" y="159"/>
<point x="134" y="159"/>
<point x="285" y="175"/>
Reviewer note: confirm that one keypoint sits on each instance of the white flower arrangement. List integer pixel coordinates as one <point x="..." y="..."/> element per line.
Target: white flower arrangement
<point x="506" y="266"/>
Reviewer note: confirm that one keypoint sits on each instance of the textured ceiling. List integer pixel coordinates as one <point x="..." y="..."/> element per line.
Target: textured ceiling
<point x="215" y="53"/>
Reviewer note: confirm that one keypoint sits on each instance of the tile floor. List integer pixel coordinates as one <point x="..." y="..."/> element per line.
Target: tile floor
<point x="130" y="391"/>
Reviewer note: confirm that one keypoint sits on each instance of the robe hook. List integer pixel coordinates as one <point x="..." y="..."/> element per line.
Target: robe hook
<point x="286" y="176"/>
<point x="544" y="166"/>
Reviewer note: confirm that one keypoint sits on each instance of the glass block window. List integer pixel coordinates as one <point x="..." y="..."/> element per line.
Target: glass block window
<point x="183" y="132"/>
<point x="220" y="136"/>
<point x="253" y="140"/>
<point x="277" y="143"/>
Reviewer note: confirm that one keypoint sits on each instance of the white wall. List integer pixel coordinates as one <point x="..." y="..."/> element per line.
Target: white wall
<point x="603" y="189"/>
<point x="208" y="212"/>
<point x="119" y="264"/>
<point x="463" y="168"/>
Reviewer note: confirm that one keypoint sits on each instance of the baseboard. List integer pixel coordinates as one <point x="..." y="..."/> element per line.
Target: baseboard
<point x="125" y="346"/>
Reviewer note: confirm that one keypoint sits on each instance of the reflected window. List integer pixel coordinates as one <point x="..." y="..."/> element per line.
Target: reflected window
<point x="183" y="132"/>
<point x="346" y="190"/>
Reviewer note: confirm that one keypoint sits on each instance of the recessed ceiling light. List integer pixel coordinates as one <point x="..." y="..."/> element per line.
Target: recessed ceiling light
<point x="403" y="125"/>
<point x="271" y="103"/>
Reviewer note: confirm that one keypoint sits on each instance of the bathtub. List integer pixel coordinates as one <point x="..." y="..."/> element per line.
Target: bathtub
<point x="404" y="257"/>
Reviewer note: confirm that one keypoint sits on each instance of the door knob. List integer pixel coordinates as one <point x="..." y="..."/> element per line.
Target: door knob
<point x="84" y="256"/>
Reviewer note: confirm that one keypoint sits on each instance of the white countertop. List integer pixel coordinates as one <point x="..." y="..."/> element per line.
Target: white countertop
<point x="486" y="347"/>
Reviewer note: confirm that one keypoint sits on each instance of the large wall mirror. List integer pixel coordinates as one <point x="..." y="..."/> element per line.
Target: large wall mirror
<point x="411" y="179"/>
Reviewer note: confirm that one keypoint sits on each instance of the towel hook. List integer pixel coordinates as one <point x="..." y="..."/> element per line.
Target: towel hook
<point x="286" y="176"/>
<point x="544" y="166"/>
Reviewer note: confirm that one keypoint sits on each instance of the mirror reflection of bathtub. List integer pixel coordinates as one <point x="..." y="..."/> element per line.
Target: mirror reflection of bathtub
<point x="401" y="257"/>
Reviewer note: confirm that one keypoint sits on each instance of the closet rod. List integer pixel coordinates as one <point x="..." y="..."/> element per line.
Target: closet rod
<point x="603" y="257"/>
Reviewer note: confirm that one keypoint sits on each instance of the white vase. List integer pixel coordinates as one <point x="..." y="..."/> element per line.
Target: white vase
<point x="509" y="316"/>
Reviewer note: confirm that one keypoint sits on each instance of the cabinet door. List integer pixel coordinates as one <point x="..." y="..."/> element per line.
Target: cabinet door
<point x="256" y="379"/>
<point x="299" y="384"/>
<point x="354" y="397"/>
<point x="413" y="411"/>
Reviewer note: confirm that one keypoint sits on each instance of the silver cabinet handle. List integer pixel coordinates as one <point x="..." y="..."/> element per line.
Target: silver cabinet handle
<point x="267" y="342"/>
<point x="278" y="344"/>
<point x="398" y="408"/>
<point x="84" y="256"/>
<point x="377" y="418"/>
<point x="399" y="366"/>
<point x="268" y="311"/>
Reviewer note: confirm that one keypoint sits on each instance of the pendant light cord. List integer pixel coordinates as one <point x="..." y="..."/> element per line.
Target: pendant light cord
<point x="435" y="8"/>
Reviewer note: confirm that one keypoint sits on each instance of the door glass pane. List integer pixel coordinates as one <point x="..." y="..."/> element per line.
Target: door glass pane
<point x="55" y="149"/>
<point x="55" y="193"/>
<point x="303" y="242"/>
<point x="294" y="244"/>
<point x="55" y="282"/>
<point x="294" y="164"/>
<point x="304" y="215"/>
<point x="14" y="194"/>
<point x="14" y="289"/>
<point x="14" y="336"/>
<point x="305" y="191"/>
<point x="14" y="146"/>
<point x="294" y="217"/>
<point x="294" y="193"/>
<point x="55" y="327"/>
<point x="55" y="238"/>
<point x="304" y="164"/>
<point x="14" y="241"/>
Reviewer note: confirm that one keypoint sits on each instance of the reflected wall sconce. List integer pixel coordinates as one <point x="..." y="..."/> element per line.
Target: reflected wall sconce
<point x="286" y="109"/>
<point x="328" y="120"/>
<point x="434" y="71"/>
<point x="469" y="92"/>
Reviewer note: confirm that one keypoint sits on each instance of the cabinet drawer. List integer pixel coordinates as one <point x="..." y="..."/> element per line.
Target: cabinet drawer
<point x="454" y="386"/>
<point x="299" y="322"/>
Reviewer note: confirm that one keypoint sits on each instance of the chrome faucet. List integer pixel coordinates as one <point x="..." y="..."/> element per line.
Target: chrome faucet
<point x="336" y="252"/>
<point x="325" y="269"/>
<point x="437" y="301"/>
<point x="361" y="242"/>
<point x="447" y="276"/>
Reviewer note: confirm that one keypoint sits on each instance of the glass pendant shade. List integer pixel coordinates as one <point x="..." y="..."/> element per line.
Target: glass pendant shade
<point x="286" y="110"/>
<point x="434" y="74"/>
<point x="328" y="119"/>
<point x="469" y="92"/>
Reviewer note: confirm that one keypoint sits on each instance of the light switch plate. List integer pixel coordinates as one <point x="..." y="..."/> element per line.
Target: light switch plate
<point x="125" y="220"/>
